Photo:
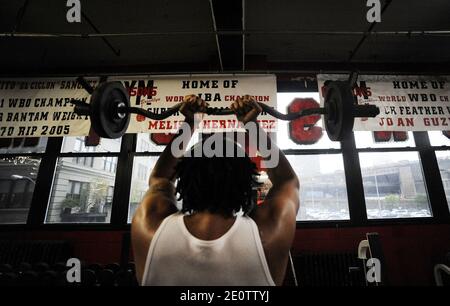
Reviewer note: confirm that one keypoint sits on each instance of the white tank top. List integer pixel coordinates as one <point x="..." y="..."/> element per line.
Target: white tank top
<point x="177" y="258"/>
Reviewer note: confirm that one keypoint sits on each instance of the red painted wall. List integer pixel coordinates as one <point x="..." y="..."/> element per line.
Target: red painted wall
<point x="89" y="246"/>
<point x="410" y="251"/>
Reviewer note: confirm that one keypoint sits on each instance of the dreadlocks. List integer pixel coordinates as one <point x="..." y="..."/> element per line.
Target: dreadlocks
<point x="222" y="185"/>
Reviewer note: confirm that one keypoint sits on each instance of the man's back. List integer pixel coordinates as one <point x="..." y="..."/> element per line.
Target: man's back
<point x="212" y="189"/>
<point x="177" y="257"/>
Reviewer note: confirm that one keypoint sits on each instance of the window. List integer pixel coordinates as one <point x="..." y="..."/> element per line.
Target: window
<point x="109" y="164"/>
<point x="438" y="138"/>
<point x="79" y="194"/>
<point x="17" y="181"/>
<point x="79" y="144"/>
<point x="143" y="172"/>
<point x="323" y="192"/>
<point x="394" y="185"/>
<point x="77" y="190"/>
<point x="23" y="145"/>
<point x="84" y="161"/>
<point x="83" y="182"/>
<point x="145" y="144"/>
<point x="364" y="139"/>
<point x="393" y="180"/>
<point x="142" y="166"/>
<point x="75" y="144"/>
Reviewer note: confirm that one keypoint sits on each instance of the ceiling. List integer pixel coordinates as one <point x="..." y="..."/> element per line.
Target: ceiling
<point x="181" y="36"/>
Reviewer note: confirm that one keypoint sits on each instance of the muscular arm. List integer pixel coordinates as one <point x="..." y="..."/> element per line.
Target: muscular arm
<point x="279" y="209"/>
<point x="276" y="216"/>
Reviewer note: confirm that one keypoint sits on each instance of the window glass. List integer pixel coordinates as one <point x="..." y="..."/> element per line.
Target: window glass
<point x="437" y="138"/>
<point x="323" y="192"/>
<point x="145" y="143"/>
<point x="76" y="144"/>
<point x="82" y="193"/>
<point x="109" y="163"/>
<point x="365" y="139"/>
<point x="142" y="167"/>
<point x="17" y="181"/>
<point x="23" y="145"/>
<point x="394" y="185"/>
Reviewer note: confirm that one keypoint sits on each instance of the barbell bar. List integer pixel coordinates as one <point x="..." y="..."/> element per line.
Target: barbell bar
<point x="109" y="109"/>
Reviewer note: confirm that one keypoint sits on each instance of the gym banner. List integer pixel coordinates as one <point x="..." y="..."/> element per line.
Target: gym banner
<point x="41" y="107"/>
<point x="156" y="94"/>
<point x="407" y="103"/>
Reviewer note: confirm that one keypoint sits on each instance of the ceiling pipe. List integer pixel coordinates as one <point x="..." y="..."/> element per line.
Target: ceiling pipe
<point x="216" y="33"/>
<point x="372" y="26"/>
<point x="116" y="52"/>
<point x="438" y="33"/>
<point x="435" y="70"/>
<point x="19" y="17"/>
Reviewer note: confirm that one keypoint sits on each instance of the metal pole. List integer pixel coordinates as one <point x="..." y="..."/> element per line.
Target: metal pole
<point x="378" y="193"/>
<point x="216" y="33"/>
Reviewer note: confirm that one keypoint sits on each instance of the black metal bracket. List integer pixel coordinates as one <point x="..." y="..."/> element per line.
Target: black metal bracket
<point x="353" y="78"/>
<point x="85" y="85"/>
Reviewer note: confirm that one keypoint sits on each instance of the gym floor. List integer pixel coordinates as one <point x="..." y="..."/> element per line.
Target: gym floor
<point x="75" y="196"/>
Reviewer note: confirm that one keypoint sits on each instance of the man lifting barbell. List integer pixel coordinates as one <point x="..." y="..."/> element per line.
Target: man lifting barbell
<point x="209" y="242"/>
<point x="198" y="249"/>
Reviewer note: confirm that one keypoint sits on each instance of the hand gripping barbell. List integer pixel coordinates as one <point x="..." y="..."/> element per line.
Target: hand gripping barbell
<point x="109" y="109"/>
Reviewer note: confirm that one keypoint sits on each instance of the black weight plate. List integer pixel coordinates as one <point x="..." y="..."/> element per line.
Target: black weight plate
<point x="339" y="105"/>
<point x="105" y="119"/>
